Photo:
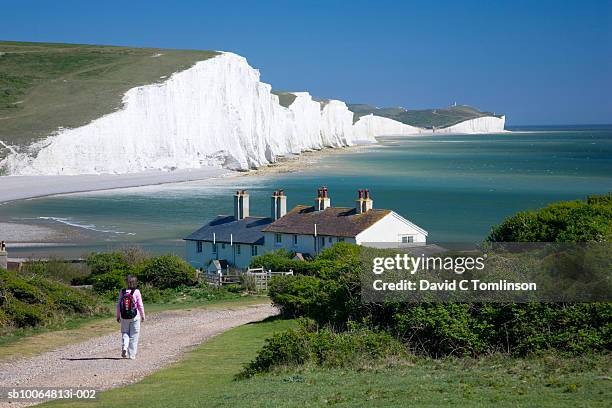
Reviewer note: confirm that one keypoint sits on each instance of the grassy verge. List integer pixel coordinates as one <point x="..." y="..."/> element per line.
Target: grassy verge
<point x="32" y="341"/>
<point x="206" y="378"/>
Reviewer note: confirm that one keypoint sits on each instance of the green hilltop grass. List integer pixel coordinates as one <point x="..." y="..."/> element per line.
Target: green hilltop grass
<point x="425" y="118"/>
<point x="44" y="86"/>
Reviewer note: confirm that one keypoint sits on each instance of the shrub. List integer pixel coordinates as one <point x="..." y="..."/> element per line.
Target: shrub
<point x="33" y="300"/>
<point x="109" y="281"/>
<point x="167" y="271"/>
<point x="322" y="347"/>
<point x="101" y="263"/>
<point x="23" y="314"/>
<point x="440" y="329"/>
<point x="57" y="269"/>
<point x="568" y="221"/>
<point x="296" y="295"/>
<point x="72" y="301"/>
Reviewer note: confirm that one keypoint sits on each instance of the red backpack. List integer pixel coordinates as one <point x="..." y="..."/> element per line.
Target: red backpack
<point x="127" y="305"/>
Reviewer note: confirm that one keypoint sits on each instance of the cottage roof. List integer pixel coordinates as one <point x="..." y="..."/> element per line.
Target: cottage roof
<point x="245" y="231"/>
<point x="333" y="221"/>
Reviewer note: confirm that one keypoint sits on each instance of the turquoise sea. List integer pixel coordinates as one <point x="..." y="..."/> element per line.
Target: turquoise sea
<point x="454" y="186"/>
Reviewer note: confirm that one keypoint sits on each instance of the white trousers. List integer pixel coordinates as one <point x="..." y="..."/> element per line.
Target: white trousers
<point x="130" y="329"/>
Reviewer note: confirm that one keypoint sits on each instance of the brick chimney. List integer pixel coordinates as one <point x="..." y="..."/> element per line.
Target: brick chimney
<point x="3" y="256"/>
<point x="363" y="203"/>
<point x="241" y="205"/>
<point x="278" y="204"/>
<point x="322" y="201"/>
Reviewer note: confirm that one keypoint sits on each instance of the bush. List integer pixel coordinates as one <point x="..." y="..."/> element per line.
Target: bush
<point x="296" y="295"/>
<point x="32" y="300"/>
<point x="167" y="271"/>
<point x="322" y="347"/>
<point x="110" y="281"/>
<point x="57" y="269"/>
<point x="101" y="263"/>
<point x="23" y="314"/>
<point x="568" y="221"/>
<point x="281" y="260"/>
<point x="441" y="329"/>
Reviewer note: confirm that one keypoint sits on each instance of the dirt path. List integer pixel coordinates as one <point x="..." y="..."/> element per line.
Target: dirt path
<point x="97" y="363"/>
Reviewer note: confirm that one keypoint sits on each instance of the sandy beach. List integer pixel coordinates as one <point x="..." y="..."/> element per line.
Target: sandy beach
<point x="24" y="187"/>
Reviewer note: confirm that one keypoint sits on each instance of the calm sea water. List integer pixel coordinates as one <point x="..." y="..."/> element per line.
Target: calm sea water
<point x="456" y="187"/>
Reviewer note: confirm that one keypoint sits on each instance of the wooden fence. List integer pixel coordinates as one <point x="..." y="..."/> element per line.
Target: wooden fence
<point x="262" y="277"/>
<point x="254" y="279"/>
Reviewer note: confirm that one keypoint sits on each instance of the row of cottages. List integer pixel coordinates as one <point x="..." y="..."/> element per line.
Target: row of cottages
<point x="235" y="239"/>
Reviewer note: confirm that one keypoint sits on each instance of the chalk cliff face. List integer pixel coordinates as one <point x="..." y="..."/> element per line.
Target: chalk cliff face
<point x="216" y="113"/>
<point x="486" y="124"/>
<point x="378" y="126"/>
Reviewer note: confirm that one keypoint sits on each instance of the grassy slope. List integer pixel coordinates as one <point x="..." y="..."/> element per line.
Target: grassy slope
<point x="425" y="118"/>
<point x="30" y="342"/>
<point x="44" y="86"/>
<point x="205" y="378"/>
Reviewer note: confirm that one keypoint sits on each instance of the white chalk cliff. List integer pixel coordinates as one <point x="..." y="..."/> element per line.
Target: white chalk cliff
<point x="216" y="113"/>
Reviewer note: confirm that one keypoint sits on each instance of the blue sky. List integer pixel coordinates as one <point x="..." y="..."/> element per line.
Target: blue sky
<point x="540" y="62"/>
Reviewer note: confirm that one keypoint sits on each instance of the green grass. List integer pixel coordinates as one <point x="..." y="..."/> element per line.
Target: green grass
<point x="425" y="118"/>
<point x="205" y="378"/>
<point x="44" y="86"/>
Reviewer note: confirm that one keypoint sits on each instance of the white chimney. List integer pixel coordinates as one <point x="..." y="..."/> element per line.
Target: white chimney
<point x="278" y="207"/>
<point x="3" y="256"/>
<point x="364" y="203"/>
<point x="241" y="205"/>
<point x="322" y="201"/>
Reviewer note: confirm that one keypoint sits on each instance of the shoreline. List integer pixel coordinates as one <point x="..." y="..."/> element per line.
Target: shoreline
<point x="15" y="188"/>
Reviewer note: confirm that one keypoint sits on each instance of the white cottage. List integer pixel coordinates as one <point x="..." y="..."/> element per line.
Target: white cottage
<point x="310" y="229"/>
<point x="305" y="229"/>
<point x="235" y="239"/>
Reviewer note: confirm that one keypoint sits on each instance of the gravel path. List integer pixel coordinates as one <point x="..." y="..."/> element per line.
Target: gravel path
<point x="97" y="363"/>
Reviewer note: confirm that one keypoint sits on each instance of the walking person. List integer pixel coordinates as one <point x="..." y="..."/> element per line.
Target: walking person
<point x="130" y="312"/>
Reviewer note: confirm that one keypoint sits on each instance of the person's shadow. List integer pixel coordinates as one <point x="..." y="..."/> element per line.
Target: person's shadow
<point x="93" y="358"/>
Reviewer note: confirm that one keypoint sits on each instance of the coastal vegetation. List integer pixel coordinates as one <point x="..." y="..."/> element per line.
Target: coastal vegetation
<point x="332" y="298"/>
<point x="30" y="300"/>
<point x="206" y="377"/>
<point x="338" y="323"/>
<point x="587" y="220"/>
<point x="43" y="296"/>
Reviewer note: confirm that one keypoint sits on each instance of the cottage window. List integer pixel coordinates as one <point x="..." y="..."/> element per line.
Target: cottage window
<point x="329" y="240"/>
<point x="253" y="250"/>
<point x="214" y="248"/>
<point x="340" y="239"/>
<point x="295" y="240"/>
<point x="278" y="238"/>
<point x="321" y="242"/>
<point x="238" y="249"/>
<point x="222" y="246"/>
<point x="407" y="239"/>
<point x="199" y="246"/>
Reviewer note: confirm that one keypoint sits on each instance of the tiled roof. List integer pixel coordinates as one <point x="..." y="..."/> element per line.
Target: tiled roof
<point x="245" y="231"/>
<point x="334" y="221"/>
